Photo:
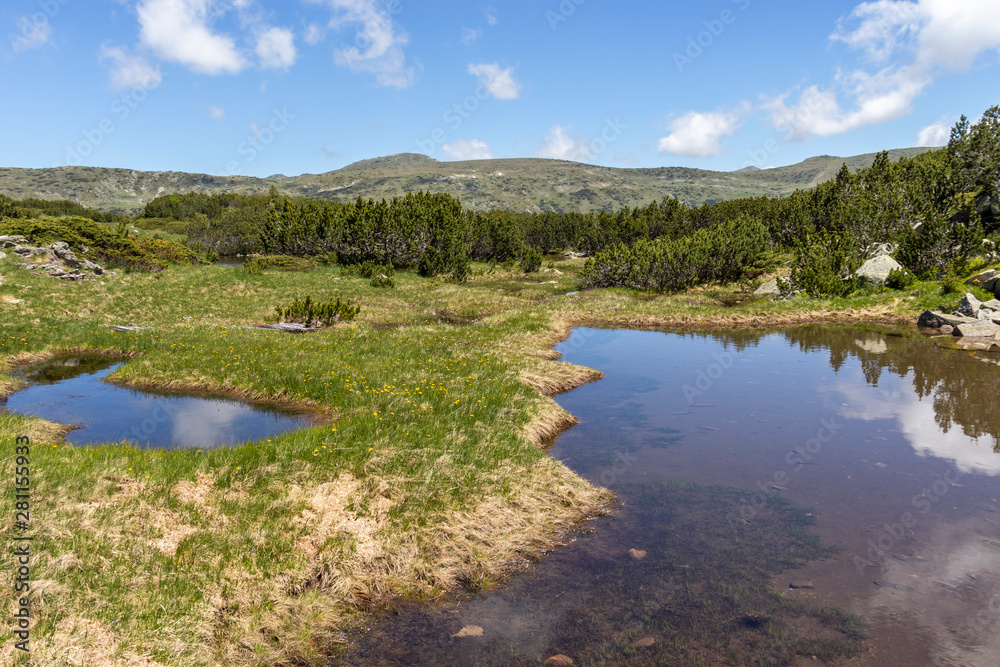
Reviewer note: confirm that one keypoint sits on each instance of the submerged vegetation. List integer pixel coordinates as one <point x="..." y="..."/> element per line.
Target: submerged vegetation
<point x="429" y="474"/>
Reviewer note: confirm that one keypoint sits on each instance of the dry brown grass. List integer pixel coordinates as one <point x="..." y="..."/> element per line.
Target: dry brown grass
<point x="81" y="642"/>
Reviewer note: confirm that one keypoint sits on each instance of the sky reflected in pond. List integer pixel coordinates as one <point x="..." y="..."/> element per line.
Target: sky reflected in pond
<point x="72" y="391"/>
<point x="888" y="442"/>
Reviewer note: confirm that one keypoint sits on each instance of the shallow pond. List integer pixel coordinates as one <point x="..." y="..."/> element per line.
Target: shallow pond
<point x="732" y="453"/>
<point x="72" y="390"/>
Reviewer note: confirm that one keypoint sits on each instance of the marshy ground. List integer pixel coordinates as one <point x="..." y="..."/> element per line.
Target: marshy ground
<point x="427" y="474"/>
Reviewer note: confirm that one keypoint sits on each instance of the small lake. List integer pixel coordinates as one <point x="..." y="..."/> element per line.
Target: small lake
<point x="73" y="391"/>
<point x="777" y="488"/>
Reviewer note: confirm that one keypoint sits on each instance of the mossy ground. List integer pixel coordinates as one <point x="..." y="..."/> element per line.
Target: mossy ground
<point x="427" y="474"/>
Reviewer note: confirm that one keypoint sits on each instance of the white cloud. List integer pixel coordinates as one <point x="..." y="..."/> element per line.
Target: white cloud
<point x="560" y="146"/>
<point x="276" y="48"/>
<point x="934" y="135"/>
<point x="216" y="112"/>
<point x="917" y="421"/>
<point x="379" y="44"/>
<point x="879" y="98"/>
<point x="469" y="36"/>
<point x="918" y="39"/>
<point x="179" y="31"/>
<point x="500" y="82"/>
<point x="700" y="134"/>
<point x="468" y="149"/>
<point x="883" y="27"/>
<point x="31" y="34"/>
<point x="955" y="34"/>
<point x="491" y="16"/>
<point x="939" y="33"/>
<point x="315" y="34"/>
<point x="129" y="71"/>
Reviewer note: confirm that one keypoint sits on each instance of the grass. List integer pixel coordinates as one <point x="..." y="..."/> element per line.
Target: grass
<point x="427" y="474"/>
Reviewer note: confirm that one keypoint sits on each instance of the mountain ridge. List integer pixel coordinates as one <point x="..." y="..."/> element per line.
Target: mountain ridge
<point x="521" y="184"/>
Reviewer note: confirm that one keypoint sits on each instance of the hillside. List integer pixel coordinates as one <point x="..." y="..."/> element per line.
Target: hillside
<point x="528" y="184"/>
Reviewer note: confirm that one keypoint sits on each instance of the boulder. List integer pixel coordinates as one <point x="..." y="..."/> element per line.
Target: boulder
<point x="62" y="251"/>
<point x="770" y="288"/>
<point x="91" y="266"/>
<point x="970" y="305"/>
<point x="977" y="329"/>
<point x="981" y="279"/>
<point x="11" y="241"/>
<point x="993" y="286"/>
<point x="933" y="319"/>
<point x="992" y="304"/>
<point x="30" y="251"/>
<point x="876" y="270"/>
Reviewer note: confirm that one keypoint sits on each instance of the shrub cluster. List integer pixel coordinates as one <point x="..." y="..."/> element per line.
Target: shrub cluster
<point x="724" y="253"/>
<point x="100" y="242"/>
<point x="311" y="312"/>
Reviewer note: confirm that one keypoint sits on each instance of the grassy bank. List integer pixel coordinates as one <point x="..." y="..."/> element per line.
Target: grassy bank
<point x="425" y="474"/>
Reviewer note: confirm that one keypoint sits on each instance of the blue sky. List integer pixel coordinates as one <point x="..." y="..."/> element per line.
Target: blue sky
<point x="260" y="87"/>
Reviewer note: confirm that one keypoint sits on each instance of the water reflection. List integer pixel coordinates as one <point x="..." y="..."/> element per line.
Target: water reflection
<point x="890" y="442"/>
<point x="71" y="390"/>
<point x="941" y="399"/>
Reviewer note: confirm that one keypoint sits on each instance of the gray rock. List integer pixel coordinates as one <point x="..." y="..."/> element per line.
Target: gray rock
<point x="62" y="251"/>
<point x="91" y="266"/>
<point x="12" y="241"/>
<point x="933" y="319"/>
<point x="877" y="270"/>
<point x="31" y="251"/>
<point x="970" y="305"/>
<point x="993" y="286"/>
<point x="770" y="288"/>
<point x="977" y="329"/>
<point x="992" y="304"/>
<point x="985" y="314"/>
<point x="982" y="278"/>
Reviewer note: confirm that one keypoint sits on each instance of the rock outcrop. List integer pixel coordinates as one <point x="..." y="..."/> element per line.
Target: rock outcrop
<point x="970" y="305"/>
<point x="973" y="320"/>
<point x="56" y="260"/>
<point x="877" y="269"/>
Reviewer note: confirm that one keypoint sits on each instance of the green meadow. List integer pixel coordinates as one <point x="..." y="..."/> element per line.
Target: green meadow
<point x="423" y="473"/>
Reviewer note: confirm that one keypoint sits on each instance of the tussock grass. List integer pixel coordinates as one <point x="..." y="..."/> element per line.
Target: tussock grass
<point x="425" y="474"/>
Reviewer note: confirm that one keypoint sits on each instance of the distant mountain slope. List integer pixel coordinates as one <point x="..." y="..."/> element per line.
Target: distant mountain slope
<point x="529" y="184"/>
